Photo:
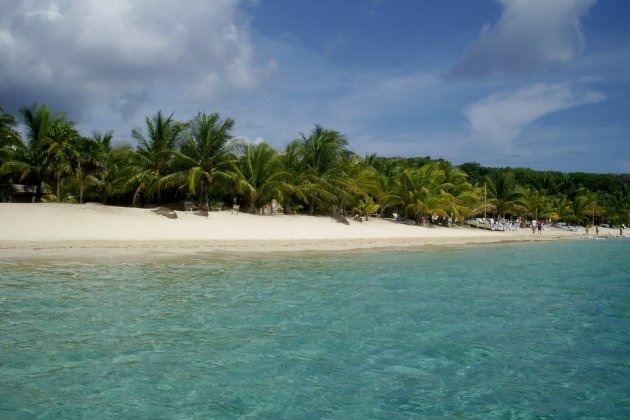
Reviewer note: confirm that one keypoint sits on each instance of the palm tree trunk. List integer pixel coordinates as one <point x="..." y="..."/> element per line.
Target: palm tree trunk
<point x="58" y="190"/>
<point x="81" y="192"/>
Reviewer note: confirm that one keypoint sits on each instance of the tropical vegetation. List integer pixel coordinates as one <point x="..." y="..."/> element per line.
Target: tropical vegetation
<point x="201" y="160"/>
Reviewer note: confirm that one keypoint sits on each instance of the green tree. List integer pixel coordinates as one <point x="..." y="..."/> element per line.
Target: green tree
<point x="9" y="142"/>
<point x="536" y="203"/>
<point x="62" y="154"/>
<point x="320" y="153"/>
<point x="355" y="183"/>
<point x="151" y="161"/>
<point x="30" y="161"/>
<point x="205" y="154"/>
<point x="259" y="175"/>
<point x="502" y="192"/>
<point x="94" y="159"/>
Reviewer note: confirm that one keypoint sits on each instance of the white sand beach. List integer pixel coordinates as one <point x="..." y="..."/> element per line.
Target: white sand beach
<point x="94" y="230"/>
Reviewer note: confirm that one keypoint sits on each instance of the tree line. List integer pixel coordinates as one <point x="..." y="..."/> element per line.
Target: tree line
<point x="201" y="160"/>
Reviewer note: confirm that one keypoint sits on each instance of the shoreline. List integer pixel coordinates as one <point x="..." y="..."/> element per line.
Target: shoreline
<point x="98" y="232"/>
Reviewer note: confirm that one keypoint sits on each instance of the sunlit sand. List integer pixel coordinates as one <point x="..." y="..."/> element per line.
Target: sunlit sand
<point x="56" y="230"/>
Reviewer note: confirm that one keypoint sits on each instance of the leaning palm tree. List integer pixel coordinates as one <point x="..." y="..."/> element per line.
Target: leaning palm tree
<point x="204" y="155"/>
<point x="150" y="161"/>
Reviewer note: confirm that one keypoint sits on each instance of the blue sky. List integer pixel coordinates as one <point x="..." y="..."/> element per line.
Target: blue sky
<point x="543" y="84"/>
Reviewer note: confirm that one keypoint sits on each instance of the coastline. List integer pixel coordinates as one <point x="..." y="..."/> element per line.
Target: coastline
<point x="94" y="231"/>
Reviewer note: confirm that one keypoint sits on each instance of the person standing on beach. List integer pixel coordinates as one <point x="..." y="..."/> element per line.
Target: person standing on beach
<point x="533" y="227"/>
<point x="621" y="231"/>
<point x="597" y="230"/>
<point x="539" y="226"/>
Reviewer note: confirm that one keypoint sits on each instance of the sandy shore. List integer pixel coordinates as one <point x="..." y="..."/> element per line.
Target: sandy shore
<point x="97" y="231"/>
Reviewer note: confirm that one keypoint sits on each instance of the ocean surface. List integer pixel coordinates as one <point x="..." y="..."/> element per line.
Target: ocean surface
<point x="536" y="330"/>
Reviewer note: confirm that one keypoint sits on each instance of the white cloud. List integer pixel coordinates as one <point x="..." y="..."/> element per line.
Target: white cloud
<point x="502" y="116"/>
<point x="72" y="51"/>
<point x="530" y="35"/>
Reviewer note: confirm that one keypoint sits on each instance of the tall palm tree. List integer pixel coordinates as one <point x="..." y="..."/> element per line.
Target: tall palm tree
<point x="94" y="161"/>
<point x="205" y="154"/>
<point x="152" y="157"/>
<point x="62" y="154"/>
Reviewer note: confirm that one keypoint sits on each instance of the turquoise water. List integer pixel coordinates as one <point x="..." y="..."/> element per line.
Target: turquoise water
<point x="509" y="331"/>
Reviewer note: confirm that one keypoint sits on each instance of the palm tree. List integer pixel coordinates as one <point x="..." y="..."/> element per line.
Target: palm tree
<point x="368" y="206"/>
<point x="259" y="175"/>
<point x="503" y="194"/>
<point x="320" y="152"/>
<point x="405" y="191"/>
<point x="298" y="185"/>
<point x="30" y="160"/>
<point x="562" y="208"/>
<point x="94" y="161"/>
<point x="8" y="135"/>
<point x="62" y="154"/>
<point x="9" y="142"/>
<point x="152" y="157"/>
<point x="205" y="154"/>
<point x="387" y="172"/>
<point x="355" y="182"/>
<point x="460" y="199"/>
<point x="584" y="208"/>
<point x="537" y="203"/>
<point x="423" y="191"/>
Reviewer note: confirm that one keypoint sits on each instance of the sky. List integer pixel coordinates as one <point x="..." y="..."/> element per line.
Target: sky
<point x="543" y="84"/>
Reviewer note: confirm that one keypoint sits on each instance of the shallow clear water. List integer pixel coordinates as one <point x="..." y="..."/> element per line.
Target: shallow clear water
<point x="509" y="331"/>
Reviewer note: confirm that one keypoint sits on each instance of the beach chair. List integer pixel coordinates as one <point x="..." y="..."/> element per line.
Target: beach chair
<point x="236" y="208"/>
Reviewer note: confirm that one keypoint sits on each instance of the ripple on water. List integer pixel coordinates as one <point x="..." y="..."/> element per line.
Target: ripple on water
<point x="526" y="330"/>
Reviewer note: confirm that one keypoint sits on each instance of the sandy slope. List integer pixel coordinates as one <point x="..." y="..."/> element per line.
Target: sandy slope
<point x="63" y="229"/>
